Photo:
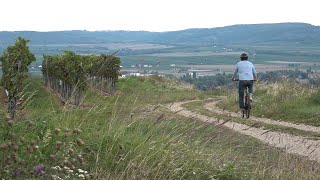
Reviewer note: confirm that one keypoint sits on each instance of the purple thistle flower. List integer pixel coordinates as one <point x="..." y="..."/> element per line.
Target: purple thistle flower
<point x="39" y="169"/>
<point x="17" y="173"/>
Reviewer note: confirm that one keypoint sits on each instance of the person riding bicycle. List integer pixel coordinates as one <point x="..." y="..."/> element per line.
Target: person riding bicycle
<point x="247" y="74"/>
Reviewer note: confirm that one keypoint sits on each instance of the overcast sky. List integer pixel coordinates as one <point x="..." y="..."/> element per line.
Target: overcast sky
<point x="150" y="15"/>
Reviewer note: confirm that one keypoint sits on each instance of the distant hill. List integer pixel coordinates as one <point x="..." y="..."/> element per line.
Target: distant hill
<point x="298" y="33"/>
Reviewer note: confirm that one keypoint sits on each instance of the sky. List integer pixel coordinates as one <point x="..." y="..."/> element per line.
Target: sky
<point x="150" y="15"/>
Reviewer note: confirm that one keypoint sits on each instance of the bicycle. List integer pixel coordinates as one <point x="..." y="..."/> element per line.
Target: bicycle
<point x="247" y="102"/>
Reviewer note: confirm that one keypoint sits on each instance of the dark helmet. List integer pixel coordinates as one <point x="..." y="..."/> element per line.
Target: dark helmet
<point x="244" y="56"/>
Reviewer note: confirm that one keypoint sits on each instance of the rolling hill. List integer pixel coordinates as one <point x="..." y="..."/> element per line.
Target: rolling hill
<point x="298" y="33"/>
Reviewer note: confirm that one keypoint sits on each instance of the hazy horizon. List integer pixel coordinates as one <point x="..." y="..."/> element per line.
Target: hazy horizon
<point x="107" y="30"/>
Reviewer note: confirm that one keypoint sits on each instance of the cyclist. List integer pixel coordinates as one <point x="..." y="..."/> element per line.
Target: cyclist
<point x="247" y="74"/>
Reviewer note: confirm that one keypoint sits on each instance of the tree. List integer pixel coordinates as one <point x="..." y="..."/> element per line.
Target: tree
<point x="15" y="61"/>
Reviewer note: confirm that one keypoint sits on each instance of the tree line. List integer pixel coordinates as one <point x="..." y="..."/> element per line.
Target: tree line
<point x="212" y="82"/>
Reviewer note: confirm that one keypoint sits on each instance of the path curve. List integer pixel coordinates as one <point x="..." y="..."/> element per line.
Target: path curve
<point x="212" y="107"/>
<point x="290" y="143"/>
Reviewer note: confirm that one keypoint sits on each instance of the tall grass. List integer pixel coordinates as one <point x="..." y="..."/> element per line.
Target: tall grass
<point x="132" y="136"/>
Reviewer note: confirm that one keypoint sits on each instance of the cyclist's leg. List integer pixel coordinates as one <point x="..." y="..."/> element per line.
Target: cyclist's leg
<point x="241" y="94"/>
<point x="250" y="86"/>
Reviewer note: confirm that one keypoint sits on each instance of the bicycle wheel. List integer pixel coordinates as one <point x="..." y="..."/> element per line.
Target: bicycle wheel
<point x="248" y="105"/>
<point x="248" y="113"/>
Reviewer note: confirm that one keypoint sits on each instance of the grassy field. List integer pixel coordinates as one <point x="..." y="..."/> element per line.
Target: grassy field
<point x="132" y="136"/>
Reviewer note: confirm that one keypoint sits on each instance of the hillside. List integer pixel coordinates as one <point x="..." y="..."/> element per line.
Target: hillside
<point x="300" y="33"/>
<point x="190" y="48"/>
<point x="140" y="134"/>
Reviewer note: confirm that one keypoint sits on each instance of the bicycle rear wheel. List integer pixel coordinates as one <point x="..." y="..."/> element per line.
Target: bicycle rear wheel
<point x="248" y="106"/>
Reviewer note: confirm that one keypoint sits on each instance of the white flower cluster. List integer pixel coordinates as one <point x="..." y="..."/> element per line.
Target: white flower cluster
<point x="82" y="173"/>
<point x="79" y="172"/>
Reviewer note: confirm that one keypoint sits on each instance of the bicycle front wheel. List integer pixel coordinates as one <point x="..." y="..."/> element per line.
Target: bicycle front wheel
<point x="248" y="112"/>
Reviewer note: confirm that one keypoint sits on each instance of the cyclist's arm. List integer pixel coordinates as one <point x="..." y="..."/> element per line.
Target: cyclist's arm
<point x="254" y="73"/>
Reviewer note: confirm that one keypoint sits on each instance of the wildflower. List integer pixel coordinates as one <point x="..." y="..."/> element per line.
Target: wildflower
<point x="39" y="169"/>
<point x="70" y="171"/>
<point x="81" y="175"/>
<point x="56" y="168"/>
<point x="17" y="173"/>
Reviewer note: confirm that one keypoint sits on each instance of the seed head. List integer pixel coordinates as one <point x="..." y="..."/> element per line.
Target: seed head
<point x="15" y="148"/>
<point x="30" y="124"/>
<point x="33" y="142"/>
<point x="66" y="130"/>
<point x="58" y="144"/>
<point x="71" y="151"/>
<point x="77" y="131"/>
<point x="30" y="149"/>
<point x="10" y="122"/>
<point x="57" y="130"/>
<point x="52" y="157"/>
<point x="80" y="142"/>
<point x="4" y="146"/>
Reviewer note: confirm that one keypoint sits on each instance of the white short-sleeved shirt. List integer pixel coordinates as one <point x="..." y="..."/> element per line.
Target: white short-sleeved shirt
<point x="245" y="69"/>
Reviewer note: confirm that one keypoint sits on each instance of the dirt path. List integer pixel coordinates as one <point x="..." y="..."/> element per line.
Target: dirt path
<point x="212" y="107"/>
<point x="290" y="143"/>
